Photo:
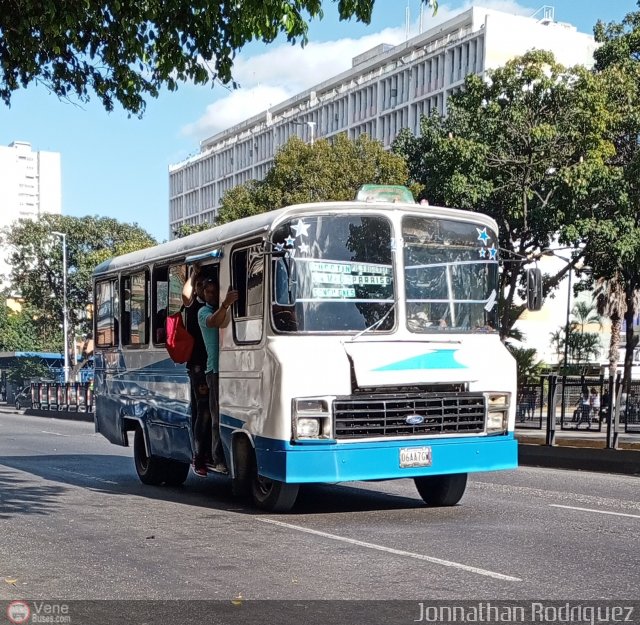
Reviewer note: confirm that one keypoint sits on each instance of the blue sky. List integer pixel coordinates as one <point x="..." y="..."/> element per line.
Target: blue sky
<point x="117" y="166"/>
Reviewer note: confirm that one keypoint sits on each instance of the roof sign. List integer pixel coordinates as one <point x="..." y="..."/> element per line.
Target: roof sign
<point x="385" y="193"/>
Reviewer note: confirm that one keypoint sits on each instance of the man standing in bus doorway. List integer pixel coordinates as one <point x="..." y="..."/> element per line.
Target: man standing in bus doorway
<point x="212" y="317"/>
<point x="193" y="300"/>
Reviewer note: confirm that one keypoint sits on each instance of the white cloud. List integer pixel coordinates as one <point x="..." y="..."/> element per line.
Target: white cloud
<point x="280" y="72"/>
<point x="237" y="106"/>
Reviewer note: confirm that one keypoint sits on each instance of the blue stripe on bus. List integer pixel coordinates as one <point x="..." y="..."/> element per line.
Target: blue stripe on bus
<point x="438" y="359"/>
<point x="344" y="462"/>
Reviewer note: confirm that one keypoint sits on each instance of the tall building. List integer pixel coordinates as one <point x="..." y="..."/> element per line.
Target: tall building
<point x="30" y="186"/>
<point x="387" y="88"/>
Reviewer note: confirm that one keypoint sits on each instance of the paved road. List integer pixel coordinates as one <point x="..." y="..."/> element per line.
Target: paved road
<point x="77" y="524"/>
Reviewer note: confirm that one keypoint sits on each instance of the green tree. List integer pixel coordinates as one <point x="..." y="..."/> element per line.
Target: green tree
<point x="585" y="314"/>
<point x="184" y="230"/>
<point x="27" y="368"/>
<point x="323" y="172"/>
<point x="509" y="147"/>
<point x="28" y="330"/>
<point x="529" y="367"/>
<point x="126" y="51"/>
<point x="611" y="229"/>
<point x="36" y="263"/>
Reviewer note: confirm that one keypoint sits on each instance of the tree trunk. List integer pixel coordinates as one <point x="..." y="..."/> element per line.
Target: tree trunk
<point x="631" y="340"/>
<point x="614" y="344"/>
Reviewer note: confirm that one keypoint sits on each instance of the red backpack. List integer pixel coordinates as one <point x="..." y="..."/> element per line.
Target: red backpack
<point x="179" y="341"/>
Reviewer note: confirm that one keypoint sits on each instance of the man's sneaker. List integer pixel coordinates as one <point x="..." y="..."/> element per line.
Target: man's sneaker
<point x="221" y="468"/>
<point x="199" y="470"/>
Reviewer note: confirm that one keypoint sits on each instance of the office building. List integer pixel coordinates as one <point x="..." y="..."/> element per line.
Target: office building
<point x="386" y="89"/>
<point x="30" y="186"/>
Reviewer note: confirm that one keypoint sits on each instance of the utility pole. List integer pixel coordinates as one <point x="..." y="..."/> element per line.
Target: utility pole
<point x="65" y="321"/>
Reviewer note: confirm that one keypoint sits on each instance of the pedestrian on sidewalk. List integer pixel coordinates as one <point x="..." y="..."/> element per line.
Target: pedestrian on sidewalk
<point x="583" y="409"/>
<point x="594" y="402"/>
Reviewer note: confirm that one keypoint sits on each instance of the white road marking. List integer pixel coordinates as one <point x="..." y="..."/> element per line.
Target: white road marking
<point x="55" y="433"/>
<point x="398" y="552"/>
<point x="633" y="516"/>
<point x="91" y="477"/>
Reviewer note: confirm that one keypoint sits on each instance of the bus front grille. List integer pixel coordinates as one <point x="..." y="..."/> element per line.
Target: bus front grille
<point x="408" y="415"/>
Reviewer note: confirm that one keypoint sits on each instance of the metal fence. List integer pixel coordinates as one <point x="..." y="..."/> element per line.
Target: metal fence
<point x="57" y="396"/>
<point x="579" y="403"/>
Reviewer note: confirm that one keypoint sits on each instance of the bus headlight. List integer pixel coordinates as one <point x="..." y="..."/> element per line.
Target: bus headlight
<point x="311" y="419"/>
<point x="497" y="412"/>
<point x="307" y="428"/>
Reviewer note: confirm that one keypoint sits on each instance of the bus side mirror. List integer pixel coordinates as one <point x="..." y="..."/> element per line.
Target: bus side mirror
<point x="534" y="289"/>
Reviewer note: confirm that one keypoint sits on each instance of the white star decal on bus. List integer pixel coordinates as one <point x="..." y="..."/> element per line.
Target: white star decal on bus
<point x="304" y="248"/>
<point x="289" y="241"/>
<point x="301" y="228"/>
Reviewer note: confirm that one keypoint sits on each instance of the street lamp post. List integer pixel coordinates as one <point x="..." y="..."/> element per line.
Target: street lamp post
<point x="65" y="323"/>
<point x="566" y="329"/>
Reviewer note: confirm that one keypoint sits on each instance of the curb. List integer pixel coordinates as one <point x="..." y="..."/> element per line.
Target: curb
<point x="67" y="415"/>
<point x="624" y="461"/>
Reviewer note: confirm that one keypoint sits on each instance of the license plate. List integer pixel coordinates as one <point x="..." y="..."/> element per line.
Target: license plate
<point x="415" y="457"/>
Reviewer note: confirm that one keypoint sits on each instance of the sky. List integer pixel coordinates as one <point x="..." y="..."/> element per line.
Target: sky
<point x="116" y="166"/>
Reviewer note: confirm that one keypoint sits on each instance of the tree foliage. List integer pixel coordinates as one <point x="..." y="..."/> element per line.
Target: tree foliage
<point x="528" y="366"/>
<point x="184" y="230"/>
<point x="612" y="230"/>
<point x="323" y="172"/>
<point x="26" y="369"/>
<point x="37" y="264"/>
<point x="523" y="147"/>
<point x="126" y="51"/>
<point x="28" y="329"/>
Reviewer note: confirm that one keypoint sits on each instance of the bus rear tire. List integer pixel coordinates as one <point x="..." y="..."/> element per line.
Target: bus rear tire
<point x="273" y="495"/>
<point x="441" y="490"/>
<point x="175" y="472"/>
<point x="150" y="469"/>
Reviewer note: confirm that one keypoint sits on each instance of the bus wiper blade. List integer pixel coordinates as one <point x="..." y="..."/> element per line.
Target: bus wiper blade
<point x="374" y="325"/>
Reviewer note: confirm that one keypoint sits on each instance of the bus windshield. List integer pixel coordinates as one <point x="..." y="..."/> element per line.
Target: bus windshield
<point x="451" y="275"/>
<point x="333" y="273"/>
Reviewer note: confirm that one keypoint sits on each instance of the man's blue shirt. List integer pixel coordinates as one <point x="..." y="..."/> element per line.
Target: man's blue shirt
<point x="211" y="338"/>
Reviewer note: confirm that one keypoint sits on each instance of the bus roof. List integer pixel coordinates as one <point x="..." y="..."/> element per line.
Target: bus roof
<point x="256" y="224"/>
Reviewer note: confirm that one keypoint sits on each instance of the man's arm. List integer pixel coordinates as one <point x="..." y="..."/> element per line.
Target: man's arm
<point x="217" y="318"/>
<point x="189" y="287"/>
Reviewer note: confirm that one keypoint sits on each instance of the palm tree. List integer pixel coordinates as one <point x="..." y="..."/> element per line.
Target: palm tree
<point x="610" y="300"/>
<point x="557" y="342"/>
<point x="586" y="314"/>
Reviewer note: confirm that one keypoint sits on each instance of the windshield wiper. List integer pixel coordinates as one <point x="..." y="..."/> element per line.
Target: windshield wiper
<point x="375" y="324"/>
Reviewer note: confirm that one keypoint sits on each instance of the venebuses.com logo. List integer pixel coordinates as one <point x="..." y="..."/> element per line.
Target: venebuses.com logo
<point x="18" y="612"/>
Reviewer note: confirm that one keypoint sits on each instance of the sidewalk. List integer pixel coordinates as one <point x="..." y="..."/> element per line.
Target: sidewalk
<point x="68" y="415"/>
<point x="581" y="450"/>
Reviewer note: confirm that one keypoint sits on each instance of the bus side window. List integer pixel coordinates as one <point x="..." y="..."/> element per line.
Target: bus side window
<point x="160" y="304"/>
<point x="135" y="309"/>
<point x="167" y="297"/>
<point x="106" y="331"/>
<point x="247" y="267"/>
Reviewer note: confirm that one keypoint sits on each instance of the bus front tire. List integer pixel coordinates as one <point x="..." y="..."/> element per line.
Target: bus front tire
<point x="273" y="495"/>
<point x="441" y="490"/>
<point x="150" y="469"/>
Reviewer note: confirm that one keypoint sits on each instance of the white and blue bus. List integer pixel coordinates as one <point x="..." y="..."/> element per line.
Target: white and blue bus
<point x="364" y="346"/>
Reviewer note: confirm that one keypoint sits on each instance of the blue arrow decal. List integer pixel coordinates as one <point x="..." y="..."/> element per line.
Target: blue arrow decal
<point x="438" y="359"/>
